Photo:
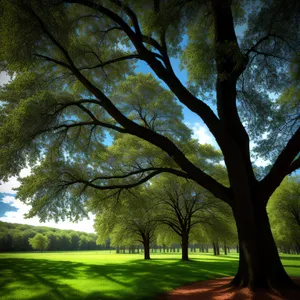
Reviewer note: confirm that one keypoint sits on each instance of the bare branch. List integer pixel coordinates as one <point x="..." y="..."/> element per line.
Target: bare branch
<point x="110" y="187"/>
<point x="119" y="59"/>
<point x="58" y="62"/>
<point x="160" y="170"/>
<point x="260" y="41"/>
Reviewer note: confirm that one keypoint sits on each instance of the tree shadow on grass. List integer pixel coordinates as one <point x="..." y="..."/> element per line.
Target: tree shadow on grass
<point x="136" y="279"/>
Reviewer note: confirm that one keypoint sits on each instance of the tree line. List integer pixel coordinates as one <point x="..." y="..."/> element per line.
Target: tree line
<point x="170" y="215"/>
<point x="16" y="237"/>
<point x="173" y="214"/>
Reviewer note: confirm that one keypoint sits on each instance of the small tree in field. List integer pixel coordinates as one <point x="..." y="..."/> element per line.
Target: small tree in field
<point x="181" y="206"/>
<point x="128" y="222"/>
<point x="39" y="242"/>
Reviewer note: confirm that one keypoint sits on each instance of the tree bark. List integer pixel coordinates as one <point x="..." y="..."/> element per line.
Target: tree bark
<point x="214" y="247"/>
<point x="146" y="244"/>
<point x="185" y="246"/>
<point x="259" y="263"/>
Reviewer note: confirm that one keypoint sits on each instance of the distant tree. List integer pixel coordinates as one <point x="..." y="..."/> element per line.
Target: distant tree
<point x="132" y="221"/>
<point x="5" y="238"/>
<point x="85" y="242"/>
<point x="53" y="240"/>
<point x="39" y="242"/>
<point x="284" y="212"/>
<point x="222" y="232"/>
<point x="64" y="240"/>
<point x="15" y="237"/>
<point x="18" y="242"/>
<point x="74" y="240"/>
<point x="182" y="205"/>
<point x="166" y="236"/>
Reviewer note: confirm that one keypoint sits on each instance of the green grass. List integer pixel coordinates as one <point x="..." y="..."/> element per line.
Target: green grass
<point x="104" y="275"/>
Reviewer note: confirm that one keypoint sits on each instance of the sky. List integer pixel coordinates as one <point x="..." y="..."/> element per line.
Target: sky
<point x="13" y="210"/>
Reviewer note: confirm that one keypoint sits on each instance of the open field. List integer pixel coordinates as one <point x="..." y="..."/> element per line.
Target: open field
<point x="104" y="275"/>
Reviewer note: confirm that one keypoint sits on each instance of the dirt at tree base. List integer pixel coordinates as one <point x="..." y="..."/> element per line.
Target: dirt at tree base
<point x="217" y="290"/>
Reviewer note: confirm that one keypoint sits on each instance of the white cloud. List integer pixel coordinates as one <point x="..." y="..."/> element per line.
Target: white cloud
<point x="202" y="134"/>
<point x="7" y="187"/>
<point x="4" y="78"/>
<point x="18" y="217"/>
<point x="261" y="162"/>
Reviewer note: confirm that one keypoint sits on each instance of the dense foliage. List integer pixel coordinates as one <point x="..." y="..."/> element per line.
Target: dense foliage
<point x="15" y="237"/>
<point x="39" y="242"/>
<point x="284" y="211"/>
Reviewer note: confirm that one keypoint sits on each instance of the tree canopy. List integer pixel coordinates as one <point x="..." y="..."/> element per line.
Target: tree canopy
<point x="14" y="237"/>
<point x="39" y="242"/>
<point x="284" y="211"/>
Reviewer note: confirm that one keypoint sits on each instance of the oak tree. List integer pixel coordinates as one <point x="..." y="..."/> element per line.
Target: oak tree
<point x="73" y="67"/>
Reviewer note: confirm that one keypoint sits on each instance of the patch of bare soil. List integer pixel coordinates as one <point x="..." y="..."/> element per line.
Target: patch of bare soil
<point x="217" y="290"/>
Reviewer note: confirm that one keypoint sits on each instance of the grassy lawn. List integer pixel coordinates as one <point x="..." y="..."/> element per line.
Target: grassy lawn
<point x="104" y="275"/>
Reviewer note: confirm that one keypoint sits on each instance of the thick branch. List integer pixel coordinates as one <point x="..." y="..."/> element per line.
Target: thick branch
<point x="295" y="165"/>
<point x="130" y="14"/>
<point x="169" y="77"/>
<point x="283" y="166"/>
<point x="95" y="121"/>
<point x="174" y="226"/>
<point x="147" y="134"/>
<point x="88" y="183"/>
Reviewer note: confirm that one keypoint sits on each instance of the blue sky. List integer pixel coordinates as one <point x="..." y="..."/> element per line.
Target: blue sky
<point x="4" y="207"/>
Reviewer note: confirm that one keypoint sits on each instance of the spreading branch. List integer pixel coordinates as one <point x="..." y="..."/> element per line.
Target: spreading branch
<point x="283" y="166"/>
<point x="169" y="77"/>
<point x="161" y="170"/>
<point x="109" y="62"/>
<point x="133" y="128"/>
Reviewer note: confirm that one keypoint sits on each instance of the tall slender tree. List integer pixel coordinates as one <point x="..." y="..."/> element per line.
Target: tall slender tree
<point x="71" y="61"/>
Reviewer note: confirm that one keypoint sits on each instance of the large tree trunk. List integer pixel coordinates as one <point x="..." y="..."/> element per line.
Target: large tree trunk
<point x="185" y="246"/>
<point x="259" y="264"/>
<point x="146" y="244"/>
